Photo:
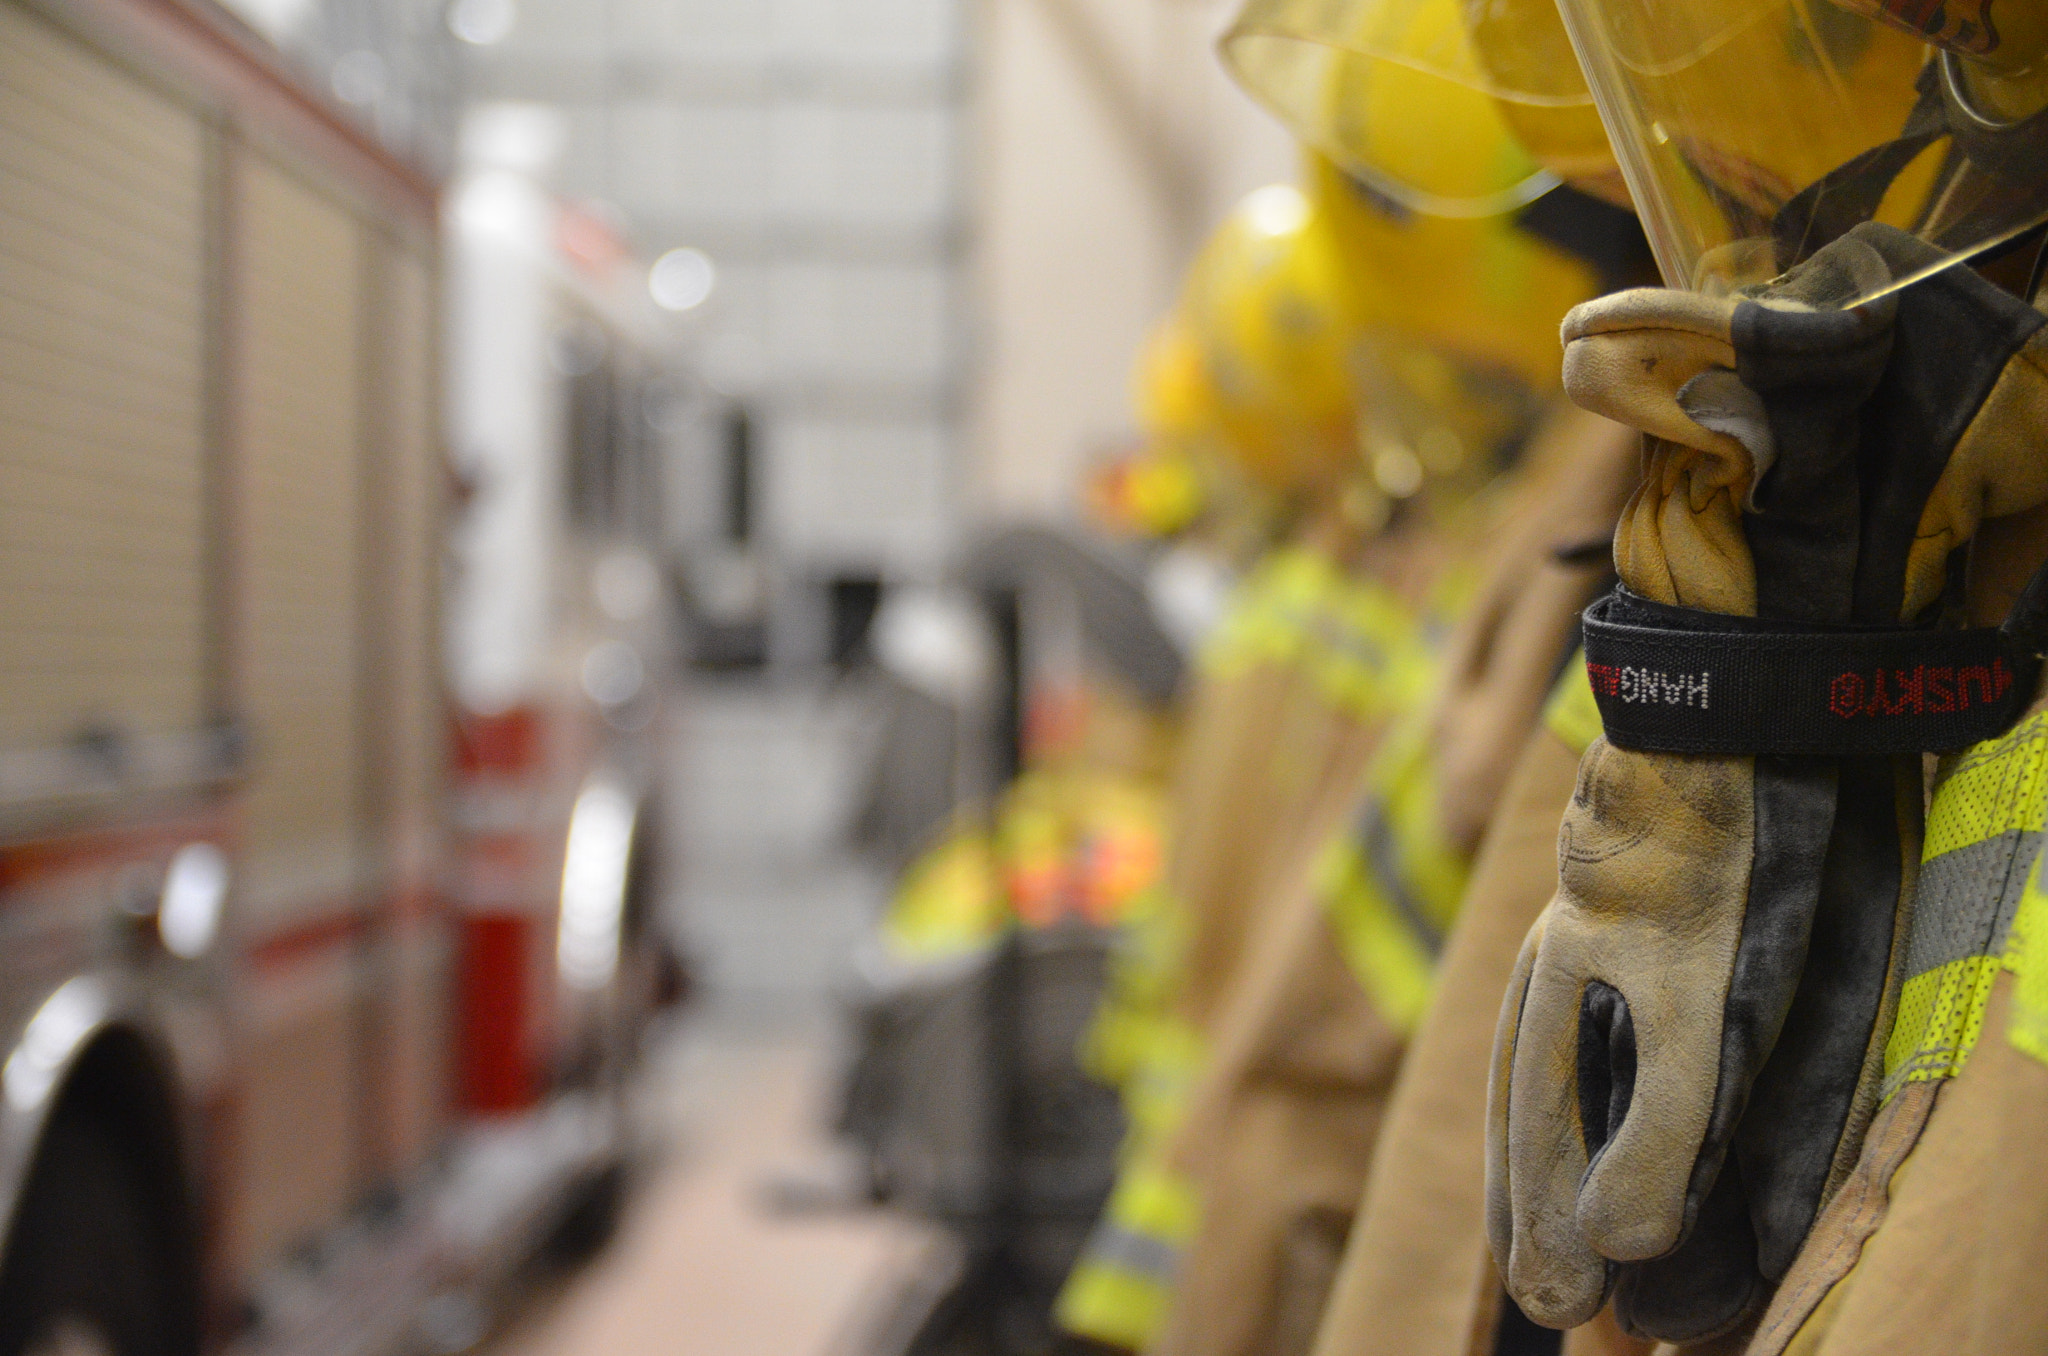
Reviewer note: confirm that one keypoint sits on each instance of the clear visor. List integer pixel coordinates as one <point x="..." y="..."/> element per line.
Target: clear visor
<point x="1431" y="421"/>
<point x="1393" y="91"/>
<point x="1753" y="132"/>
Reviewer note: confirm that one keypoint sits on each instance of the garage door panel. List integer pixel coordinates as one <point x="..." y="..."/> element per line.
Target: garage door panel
<point x="299" y="345"/>
<point x="102" y="410"/>
<point x="41" y="171"/>
<point x="53" y="66"/>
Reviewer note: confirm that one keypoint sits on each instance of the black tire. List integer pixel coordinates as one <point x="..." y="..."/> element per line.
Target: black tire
<point x="85" y="1254"/>
<point x="590" y="1222"/>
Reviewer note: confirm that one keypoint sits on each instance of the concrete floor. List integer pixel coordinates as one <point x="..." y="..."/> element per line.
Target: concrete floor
<point x="769" y="905"/>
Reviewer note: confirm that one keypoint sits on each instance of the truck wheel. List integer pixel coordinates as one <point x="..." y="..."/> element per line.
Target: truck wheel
<point x="72" y="1337"/>
<point x="84" y="1274"/>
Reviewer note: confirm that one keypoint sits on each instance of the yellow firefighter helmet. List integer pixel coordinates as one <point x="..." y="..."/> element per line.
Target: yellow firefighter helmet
<point x="1478" y="290"/>
<point x="1170" y="387"/>
<point x="1274" y="313"/>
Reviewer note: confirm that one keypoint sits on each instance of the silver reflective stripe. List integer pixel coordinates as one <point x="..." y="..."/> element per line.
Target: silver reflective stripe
<point x="1347" y="641"/>
<point x="1383" y="862"/>
<point x="1967" y="898"/>
<point x="1113" y="1245"/>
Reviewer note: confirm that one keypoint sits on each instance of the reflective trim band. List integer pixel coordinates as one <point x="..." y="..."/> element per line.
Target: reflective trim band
<point x="1948" y="1016"/>
<point x="1119" y="1290"/>
<point x="1984" y="838"/>
<point x="1969" y="897"/>
<point x="2027" y="958"/>
<point x="1157" y="1091"/>
<point x="1132" y="1030"/>
<point x="1370" y="676"/>
<point x="1263" y="620"/>
<point x="1382" y="860"/>
<point x="1365" y="652"/>
<point x="1360" y="645"/>
<point x="1392" y="887"/>
<point x="1393" y="967"/>
<point x="1114" y="1307"/>
<point x="1112" y="1245"/>
<point x="949" y="903"/>
<point x="1985" y="793"/>
<point x="1678" y="680"/>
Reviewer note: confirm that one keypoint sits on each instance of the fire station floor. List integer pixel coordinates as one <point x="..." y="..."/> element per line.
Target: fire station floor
<point x="705" y="1263"/>
<point x="710" y="1257"/>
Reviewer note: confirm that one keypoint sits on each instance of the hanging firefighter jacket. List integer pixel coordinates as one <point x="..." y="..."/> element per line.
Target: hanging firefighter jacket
<point x="1284" y="1126"/>
<point x="1901" y="1257"/>
<point x="1416" y="1279"/>
<point x="1292" y="690"/>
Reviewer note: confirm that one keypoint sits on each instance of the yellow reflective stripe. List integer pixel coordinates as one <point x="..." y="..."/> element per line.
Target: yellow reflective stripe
<point x="1365" y="652"/>
<point x="1432" y="869"/>
<point x="1359" y="644"/>
<point x="1153" y="1202"/>
<point x="1390" y="962"/>
<point x="1393" y="885"/>
<point x="1264" y="619"/>
<point x="1104" y="1302"/>
<point x="1119" y="1289"/>
<point x="1149" y="948"/>
<point x="1157" y="1090"/>
<point x="1994" y="787"/>
<point x="950" y="902"/>
<point x="2027" y="956"/>
<point x="1450" y="597"/>
<point x="1113" y="1046"/>
<point x="1571" y="713"/>
<point x="1983" y="840"/>
<point x="1948" y="1008"/>
<point x="1132" y="1037"/>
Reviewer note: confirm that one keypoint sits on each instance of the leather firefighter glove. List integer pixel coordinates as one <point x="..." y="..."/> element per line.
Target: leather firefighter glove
<point x="1721" y="936"/>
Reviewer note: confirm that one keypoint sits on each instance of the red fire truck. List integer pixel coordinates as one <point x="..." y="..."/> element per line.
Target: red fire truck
<point x="324" y="935"/>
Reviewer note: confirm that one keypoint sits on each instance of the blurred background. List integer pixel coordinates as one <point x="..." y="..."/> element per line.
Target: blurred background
<point x="857" y="677"/>
<point x="523" y="520"/>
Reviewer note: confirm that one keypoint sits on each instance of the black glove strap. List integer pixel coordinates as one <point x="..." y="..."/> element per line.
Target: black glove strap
<point x="1677" y="680"/>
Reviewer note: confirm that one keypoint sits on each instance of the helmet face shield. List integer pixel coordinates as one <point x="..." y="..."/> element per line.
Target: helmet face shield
<point x="1753" y="132"/>
<point x="2008" y="42"/>
<point x="1393" y="91"/>
<point x="1527" y="58"/>
<point x="1431" y="421"/>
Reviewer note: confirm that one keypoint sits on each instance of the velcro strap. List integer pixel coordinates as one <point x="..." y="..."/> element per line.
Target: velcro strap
<point x="1677" y="680"/>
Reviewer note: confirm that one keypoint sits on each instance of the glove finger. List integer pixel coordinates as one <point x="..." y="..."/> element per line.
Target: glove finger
<point x="1632" y="1204"/>
<point x="1552" y="1270"/>
<point x="1705" y="1288"/>
<point x="1500" y="1213"/>
<point x="1680" y="887"/>
<point x="1607" y="1064"/>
